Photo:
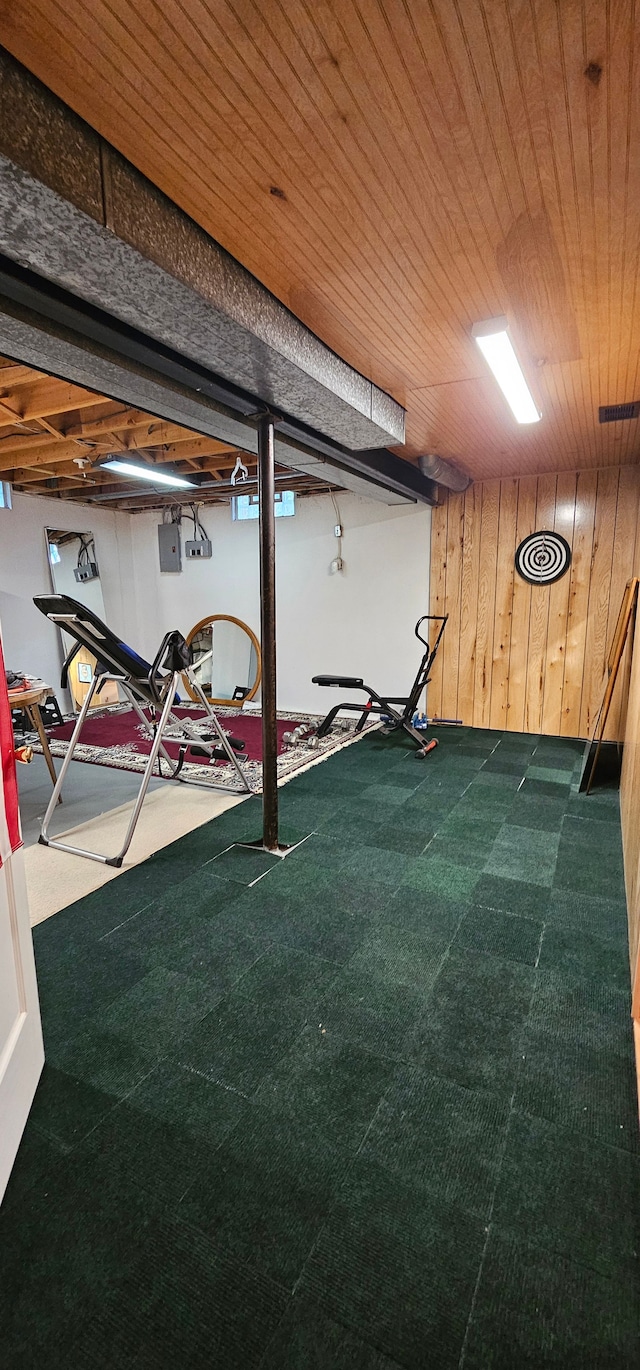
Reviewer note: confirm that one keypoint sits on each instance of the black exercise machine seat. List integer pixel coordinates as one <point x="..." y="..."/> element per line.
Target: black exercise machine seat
<point x="344" y="682"/>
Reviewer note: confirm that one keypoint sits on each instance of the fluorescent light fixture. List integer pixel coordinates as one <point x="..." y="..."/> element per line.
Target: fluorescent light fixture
<point x="492" y="337"/>
<point x="150" y="473"/>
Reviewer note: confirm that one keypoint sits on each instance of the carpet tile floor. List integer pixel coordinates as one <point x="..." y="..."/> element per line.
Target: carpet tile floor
<point x="371" y="1107"/>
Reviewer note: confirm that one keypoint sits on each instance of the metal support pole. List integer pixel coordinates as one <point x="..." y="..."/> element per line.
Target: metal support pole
<point x="266" y="496"/>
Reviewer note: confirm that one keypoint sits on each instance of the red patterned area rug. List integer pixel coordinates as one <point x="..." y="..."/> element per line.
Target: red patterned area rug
<point x="115" y="737"/>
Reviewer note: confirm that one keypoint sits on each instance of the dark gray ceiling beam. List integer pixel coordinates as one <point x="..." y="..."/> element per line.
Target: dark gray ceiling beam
<point x="78" y="214"/>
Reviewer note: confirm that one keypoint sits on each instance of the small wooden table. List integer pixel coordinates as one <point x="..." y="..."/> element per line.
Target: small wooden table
<point x="30" y="700"/>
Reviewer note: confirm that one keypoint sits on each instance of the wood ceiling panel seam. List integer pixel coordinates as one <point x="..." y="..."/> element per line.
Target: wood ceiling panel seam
<point x="507" y="50"/>
<point x="353" y="166"/>
<point x="467" y="47"/>
<point x="418" y="19"/>
<point x="419" y="163"/>
<point x="355" y="171"/>
<point x="266" y="169"/>
<point x="318" y="245"/>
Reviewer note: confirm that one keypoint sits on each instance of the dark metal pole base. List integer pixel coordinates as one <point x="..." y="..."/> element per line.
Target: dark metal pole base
<point x="281" y="849"/>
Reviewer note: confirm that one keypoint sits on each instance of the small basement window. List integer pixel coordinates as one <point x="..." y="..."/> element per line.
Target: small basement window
<point x="248" y="506"/>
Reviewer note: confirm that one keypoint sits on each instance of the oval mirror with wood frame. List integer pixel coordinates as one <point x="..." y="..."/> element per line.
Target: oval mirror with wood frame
<point x="227" y="661"/>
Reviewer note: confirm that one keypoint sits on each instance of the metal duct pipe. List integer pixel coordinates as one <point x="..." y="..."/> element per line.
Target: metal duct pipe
<point x="444" y="473"/>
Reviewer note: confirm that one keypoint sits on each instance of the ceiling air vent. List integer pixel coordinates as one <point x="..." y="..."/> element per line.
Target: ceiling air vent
<point x="610" y="413"/>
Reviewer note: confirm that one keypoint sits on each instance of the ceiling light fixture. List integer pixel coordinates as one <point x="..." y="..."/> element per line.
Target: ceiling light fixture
<point x="149" y="473"/>
<point x="492" y="337"/>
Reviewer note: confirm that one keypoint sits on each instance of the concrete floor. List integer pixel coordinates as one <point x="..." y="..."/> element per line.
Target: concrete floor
<point x="94" y="815"/>
<point x="89" y="792"/>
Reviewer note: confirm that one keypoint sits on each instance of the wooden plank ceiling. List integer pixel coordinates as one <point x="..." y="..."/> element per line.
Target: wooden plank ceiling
<point x="394" y="170"/>
<point x="54" y="434"/>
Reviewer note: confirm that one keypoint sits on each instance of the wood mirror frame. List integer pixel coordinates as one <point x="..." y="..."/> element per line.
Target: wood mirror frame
<point x="226" y="618"/>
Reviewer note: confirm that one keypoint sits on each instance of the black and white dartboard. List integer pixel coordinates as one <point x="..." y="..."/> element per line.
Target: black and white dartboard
<point x="543" y="558"/>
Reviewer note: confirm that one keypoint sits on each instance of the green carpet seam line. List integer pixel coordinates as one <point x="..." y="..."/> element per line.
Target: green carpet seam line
<point x="502" y="1154"/>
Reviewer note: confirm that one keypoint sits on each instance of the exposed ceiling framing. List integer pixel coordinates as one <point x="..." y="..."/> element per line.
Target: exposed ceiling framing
<point x="54" y="434"/>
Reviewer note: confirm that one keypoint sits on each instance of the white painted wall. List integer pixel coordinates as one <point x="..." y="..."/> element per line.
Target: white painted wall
<point x="359" y="622"/>
<point x="31" y="643"/>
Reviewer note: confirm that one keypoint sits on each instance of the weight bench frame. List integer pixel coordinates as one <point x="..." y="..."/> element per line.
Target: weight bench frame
<point x="145" y="686"/>
<point x="384" y="704"/>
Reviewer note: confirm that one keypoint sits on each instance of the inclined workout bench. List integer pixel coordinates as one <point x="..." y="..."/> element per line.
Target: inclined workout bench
<point x="152" y="687"/>
<point x="384" y="704"/>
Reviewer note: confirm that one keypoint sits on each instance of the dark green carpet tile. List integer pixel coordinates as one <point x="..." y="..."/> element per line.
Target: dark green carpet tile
<point x="327" y="1083"/>
<point x="436" y="875"/>
<point x="394" y="835"/>
<point x="583" y="912"/>
<point x="255" y="1024"/>
<point x="372" y="1106"/>
<point x="417" y="910"/>
<point x="331" y="928"/>
<point x="511" y="896"/>
<point x="536" y="811"/>
<point x="463" y="823"/>
<point x="400" y="957"/>
<point x="496" y="780"/>
<point x="551" y="789"/>
<point x="558" y="1189"/>
<point x="500" y="934"/>
<point x="579" y="1010"/>
<point x="37" y="1158"/>
<point x="440" y="1137"/>
<point x="158" y="1007"/>
<point x="79" y="985"/>
<point x="585" y="954"/>
<point x="604" y="805"/>
<point x="380" y="1015"/>
<point x="549" y="774"/>
<point x="524" y="854"/>
<point x="65" y="1110"/>
<point x="267" y="1192"/>
<point x="308" y="1339"/>
<point x="535" y="1309"/>
<point x="510" y="763"/>
<point x="102" y="1059"/>
<point x="471" y="1031"/>
<point x="460" y="849"/>
<point x="588" y="1088"/>
<point x="595" y="871"/>
<point x="183" y="1099"/>
<point x="398" y="1267"/>
<point x="64" y="1249"/>
<point x="185" y="1302"/>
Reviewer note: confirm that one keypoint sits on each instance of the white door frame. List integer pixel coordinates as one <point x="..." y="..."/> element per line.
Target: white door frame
<point x="21" y="1048"/>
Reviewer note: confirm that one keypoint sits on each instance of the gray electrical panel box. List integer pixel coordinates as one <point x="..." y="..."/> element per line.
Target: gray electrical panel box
<point x="169" y="547"/>
<point x="88" y="571"/>
<point x="200" y="548"/>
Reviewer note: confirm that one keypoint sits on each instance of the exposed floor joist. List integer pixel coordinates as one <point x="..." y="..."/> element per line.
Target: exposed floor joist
<point x="53" y="436"/>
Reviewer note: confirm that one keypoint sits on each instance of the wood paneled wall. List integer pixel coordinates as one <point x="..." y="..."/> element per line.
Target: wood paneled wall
<point x="531" y="658"/>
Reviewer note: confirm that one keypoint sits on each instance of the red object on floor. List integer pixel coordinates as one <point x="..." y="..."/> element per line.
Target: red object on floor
<point x="10" y="838"/>
<point x="123" y="730"/>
